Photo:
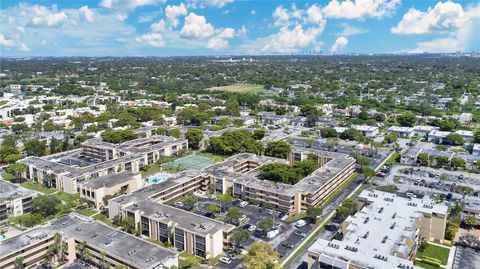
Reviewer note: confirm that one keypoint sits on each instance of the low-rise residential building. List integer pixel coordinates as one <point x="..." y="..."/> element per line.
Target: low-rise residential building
<point x="186" y="231"/>
<point x="402" y="131"/>
<point x="241" y="173"/>
<point x="97" y="189"/>
<point x="366" y="130"/>
<point x="269" y="118"/>
<point x="14" y="200"/>
<point x="409" y="156"/>
<point x="436" y="136"/>
<point x="103" y="243"/>
<point x="423" y="130"/>
<point x="467" y="135"/>
<point x="384" y="233"/>
<point x="97" y="158"/>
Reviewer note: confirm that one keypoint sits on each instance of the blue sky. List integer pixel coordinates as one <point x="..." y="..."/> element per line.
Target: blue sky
<point x="219" y="27"/>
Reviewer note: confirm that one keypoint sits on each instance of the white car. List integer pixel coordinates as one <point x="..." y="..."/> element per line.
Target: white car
<point x="252" y="228"/>
<point x="243" y="204"/>
<point x="242" y="218"/>
<point x="300" y="223"/>
<point x="178" y="204"/>
<point x="226" y="260"/>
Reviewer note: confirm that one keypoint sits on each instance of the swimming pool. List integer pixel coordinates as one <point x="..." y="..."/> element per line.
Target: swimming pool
<point x="157" y="178"/>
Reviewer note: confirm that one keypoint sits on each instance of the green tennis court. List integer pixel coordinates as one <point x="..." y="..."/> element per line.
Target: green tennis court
<point x="190" y="162"/>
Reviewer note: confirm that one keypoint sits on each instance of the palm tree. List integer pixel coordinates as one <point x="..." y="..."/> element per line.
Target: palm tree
<point x="83" y="252"/>
<point x="18" y="263"/>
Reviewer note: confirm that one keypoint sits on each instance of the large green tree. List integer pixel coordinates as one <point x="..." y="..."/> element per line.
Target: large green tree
<point x="194" y="137"/>
<point x="279" y="149"/>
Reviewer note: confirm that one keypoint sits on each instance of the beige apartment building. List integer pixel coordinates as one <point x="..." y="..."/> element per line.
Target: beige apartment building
<point x="186" y="231"/>
<point x="119" y="248"/>
<point x="122" y="183"/>
<point x="241" y="173"/>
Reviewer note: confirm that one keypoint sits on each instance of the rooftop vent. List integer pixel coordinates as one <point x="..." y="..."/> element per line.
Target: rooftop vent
<point x="394" y="215"/>
<point x="365" y="221"/>
<point x="381" y="210"/>
<point x="333" y="245"/>
<point x="365" y="236"/>
<point x="412" y="204"/>
<point x="380" y="257"/>
<point x="393" y="226"/>
<point x="353" y="249"/>
<point x="384" y="239"/>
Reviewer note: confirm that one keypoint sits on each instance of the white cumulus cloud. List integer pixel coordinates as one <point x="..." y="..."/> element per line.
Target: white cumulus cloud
<point x="360" y="9"/>
<point x="443" y="17"/>
<point x="43" y="16"/>
<point x="173" y="12"/>
<point x="129" y="4"/>
<point x="290" y="40"/>
<point x="153" y="39"/>
<point x="5" y="42"/>
<point x="158" y="26"/>
<point x="205" y="3"/>
<point x="339" y="44"/>
<point x="219" y="41"/>
<point x="87" y="13"/>
<point x="280" y="16"/>
<point x="196" y="26"/>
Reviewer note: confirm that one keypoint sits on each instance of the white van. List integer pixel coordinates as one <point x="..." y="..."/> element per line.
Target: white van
<point x="300" y="223"/>
<point x="410" y="195"/>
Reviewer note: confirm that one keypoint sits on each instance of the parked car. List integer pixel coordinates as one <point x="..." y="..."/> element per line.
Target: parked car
<point x="178" y="204"/>
<point x="288" y="245"/>
<point x="300" y="223"/>
<point x="247" y="226"/>
<point x="243" y="204"/>
<point x="226" y="260"/>
<point x="282" y="215"/>
<point x="210" y="215"/>
<point x="242" y="218"/>
<point x="252" y="228"/>
<point x="331" y="227"/>
<point x="301" y="234"/>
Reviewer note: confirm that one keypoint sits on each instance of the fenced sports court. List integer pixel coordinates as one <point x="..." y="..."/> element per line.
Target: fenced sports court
<point x="190" y="162"/>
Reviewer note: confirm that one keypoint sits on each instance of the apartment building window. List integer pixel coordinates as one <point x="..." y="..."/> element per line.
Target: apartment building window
<point x="145" y="226"/>
<point x="297" y="156"/>
<point x="162" y="232"/>
<point x="200" y="249"/>
<point x="179" y="239"/>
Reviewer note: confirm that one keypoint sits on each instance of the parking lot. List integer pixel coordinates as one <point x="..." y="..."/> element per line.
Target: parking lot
<point x="430" y="181"/>
<point x="466" y="258"/>
<point x="283" y="241"/>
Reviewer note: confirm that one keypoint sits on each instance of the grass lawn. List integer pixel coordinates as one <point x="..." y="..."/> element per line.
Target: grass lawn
<point x="436" y="252"/>
<point x="104" y="219"/>
<point x="38" y="187"/>
<point x="87" y="211"/>
<point x="241" y="88"/>
<point x="151" y="170"/>
<point x="68" y="198"/>
<point x="424" y="265"/>
<point x="8" y="177"/>
<point x="214" y="260"/>
<point x="392" y="159"/>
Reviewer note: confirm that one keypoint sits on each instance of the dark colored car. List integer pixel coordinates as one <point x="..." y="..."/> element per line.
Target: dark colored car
<point x="210" y="215"/>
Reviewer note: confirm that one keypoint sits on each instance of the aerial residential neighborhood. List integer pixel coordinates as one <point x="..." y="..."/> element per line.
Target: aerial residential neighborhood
<point x="202" y="134"/>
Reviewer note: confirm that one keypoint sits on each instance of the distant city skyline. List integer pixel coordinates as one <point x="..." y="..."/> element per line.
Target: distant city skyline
<point x="232" y="27"/>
